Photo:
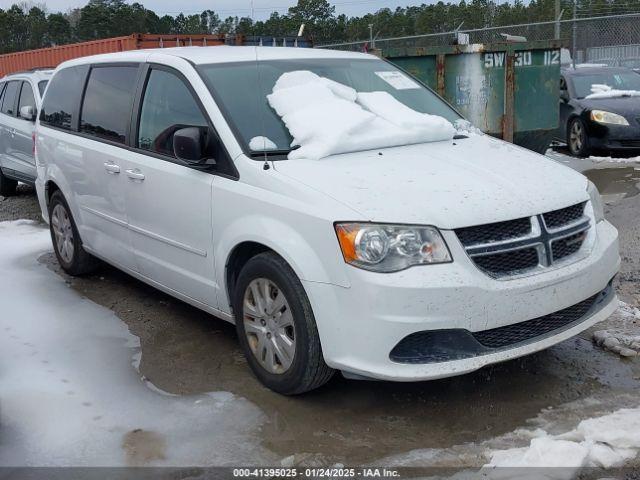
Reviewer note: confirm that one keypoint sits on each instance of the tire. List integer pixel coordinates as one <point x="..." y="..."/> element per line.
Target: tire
<point x="577" y="138"/>
<point x="67" y="244"/>
<point x="291" y="322"/>
<point x="7" y="186"/>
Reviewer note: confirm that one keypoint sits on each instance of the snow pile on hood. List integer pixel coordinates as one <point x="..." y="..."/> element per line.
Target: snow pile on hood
<point x="327" y="118"/>
<point x="605" y="441"/>
<point x="466" y="128"/>
<point x="605" y="91"/>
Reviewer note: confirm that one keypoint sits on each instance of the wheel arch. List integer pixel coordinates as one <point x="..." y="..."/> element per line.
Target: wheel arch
<point x="312" y="259"/>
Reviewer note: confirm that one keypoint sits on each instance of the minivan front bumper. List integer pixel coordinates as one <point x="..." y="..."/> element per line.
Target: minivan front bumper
<point x="360" y="326"/>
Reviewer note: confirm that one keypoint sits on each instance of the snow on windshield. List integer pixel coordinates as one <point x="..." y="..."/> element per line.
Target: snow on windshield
<point x="605" y="91"/>
<point x="326" y="118"/>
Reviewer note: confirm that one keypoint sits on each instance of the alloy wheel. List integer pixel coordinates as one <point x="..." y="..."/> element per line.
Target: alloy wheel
<point x="576" y="135"/>
<point x="63" y="231"/>
<point x="269" y="326"/>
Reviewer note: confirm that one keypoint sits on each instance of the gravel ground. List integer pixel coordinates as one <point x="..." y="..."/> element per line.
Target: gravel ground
<point x="186" y="351"/>
<point x="24" y="205"/>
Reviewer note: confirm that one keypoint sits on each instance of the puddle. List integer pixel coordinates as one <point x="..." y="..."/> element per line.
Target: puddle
<point x="615" y="184"/>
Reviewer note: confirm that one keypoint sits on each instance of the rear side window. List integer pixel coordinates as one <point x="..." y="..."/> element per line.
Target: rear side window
<point x="26" y="96"/>
<point x="168" y="105"/>
<point x="61" y="102"/>
<point x="9" y="98"/>
<point x="106" y="109"/>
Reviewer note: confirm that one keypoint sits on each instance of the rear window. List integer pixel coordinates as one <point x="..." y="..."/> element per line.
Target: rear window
<point x="108" y="99"/>
<point x="63" y="96"/>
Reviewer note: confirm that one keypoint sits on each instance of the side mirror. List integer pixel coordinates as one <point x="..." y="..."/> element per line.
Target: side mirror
<point x="188" y="145"/>
<point x="28" y="112"/>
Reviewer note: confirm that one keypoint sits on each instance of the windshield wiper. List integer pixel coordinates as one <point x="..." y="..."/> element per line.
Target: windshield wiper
<point x="273" y="153"/>
<point x="270" y="153"/>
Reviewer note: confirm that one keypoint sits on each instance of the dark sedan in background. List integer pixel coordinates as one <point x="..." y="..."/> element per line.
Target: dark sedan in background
<point x="611" y="121"/>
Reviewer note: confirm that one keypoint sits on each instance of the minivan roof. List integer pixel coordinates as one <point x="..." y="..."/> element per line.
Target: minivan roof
<point x="37" y="74"/>
<point x="219" y="54"/>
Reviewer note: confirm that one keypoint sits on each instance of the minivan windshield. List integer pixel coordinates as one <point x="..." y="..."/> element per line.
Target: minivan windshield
<point x="241" y="90"/>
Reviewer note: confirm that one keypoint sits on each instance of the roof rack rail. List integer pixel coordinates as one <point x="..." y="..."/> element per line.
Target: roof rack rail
<point x="31" y="70"/>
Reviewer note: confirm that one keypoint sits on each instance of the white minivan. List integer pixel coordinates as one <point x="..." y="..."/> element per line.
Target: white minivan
<point x="338" y="211"/>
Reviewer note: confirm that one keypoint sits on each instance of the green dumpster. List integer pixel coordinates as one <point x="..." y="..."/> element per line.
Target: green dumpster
<point x="508" y="90"/>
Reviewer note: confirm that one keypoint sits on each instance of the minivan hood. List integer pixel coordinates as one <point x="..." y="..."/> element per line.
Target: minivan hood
<point x="448" y="184"/>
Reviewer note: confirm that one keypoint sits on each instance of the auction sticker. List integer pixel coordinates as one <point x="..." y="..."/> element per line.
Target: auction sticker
<point x="398" y="80"/>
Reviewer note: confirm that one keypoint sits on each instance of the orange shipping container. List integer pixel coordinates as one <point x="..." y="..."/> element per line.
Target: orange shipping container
<point x="53" y="56"/>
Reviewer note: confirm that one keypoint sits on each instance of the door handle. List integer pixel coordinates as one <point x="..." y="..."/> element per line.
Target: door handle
<point x="135" y="175"/>
<point x="13" y="132"/>
<point x="111" y="168"/>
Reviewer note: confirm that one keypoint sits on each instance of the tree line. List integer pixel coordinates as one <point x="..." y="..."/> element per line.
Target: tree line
<point x="27" y="26"/>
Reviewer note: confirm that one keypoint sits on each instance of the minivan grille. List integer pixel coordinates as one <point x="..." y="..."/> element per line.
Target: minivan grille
<point x="514" y="247"/>
<point x="434" y="346"/>
<point x="564" y="216"/>
<point x="494" y="232"/>
<point x="521" y="332"/>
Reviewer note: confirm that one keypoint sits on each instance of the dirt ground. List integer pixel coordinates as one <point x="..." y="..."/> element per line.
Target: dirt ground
<point x="186" y="351"/>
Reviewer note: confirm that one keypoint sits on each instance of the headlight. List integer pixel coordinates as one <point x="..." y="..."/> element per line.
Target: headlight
<point x="601" y="116"/>
<point x="390" y="248"/>
<point x="596" y="201"/>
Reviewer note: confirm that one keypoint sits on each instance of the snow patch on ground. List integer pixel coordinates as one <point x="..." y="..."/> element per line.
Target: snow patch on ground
<point x="327" y="118"/>
<point x="596" y="159"/>
<point x="605" y="91"/>
<point x="606" y="441"/>
<point x="69" y="395"/>
<point x="624" y="339"/>
<point x="584" y="433"/>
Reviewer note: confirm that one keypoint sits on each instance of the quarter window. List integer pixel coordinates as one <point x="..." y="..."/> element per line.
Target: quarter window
<point x="106" y="109"/>
<point x="168" y="106"/>
<point x="42" y="84"/>
<point x="26" y="97"/>
<point x="9" y="98"/>
<point x="62" y="99"/>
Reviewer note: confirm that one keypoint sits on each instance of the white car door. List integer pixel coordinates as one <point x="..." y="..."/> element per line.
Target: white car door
<point x="8" y="154"/>
<point x="169" y="203"/>
<point x="22" y="139"/>
<point x="93" y="161"/>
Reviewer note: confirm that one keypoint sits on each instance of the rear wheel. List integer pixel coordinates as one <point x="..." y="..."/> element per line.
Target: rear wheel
<point x="7" y="185"/>
<point x="66" y="240"/>
<point x="577" y="138"/>
<point x="276" y="327"/>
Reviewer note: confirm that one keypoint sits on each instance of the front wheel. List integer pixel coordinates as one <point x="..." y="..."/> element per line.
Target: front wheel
<point x="67" y="245"/>
<point x="276" y="327"/>
<point x="577" y="138"/>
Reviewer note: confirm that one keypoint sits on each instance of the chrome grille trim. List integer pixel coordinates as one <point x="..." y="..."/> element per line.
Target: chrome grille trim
<point x="541" y="238"/>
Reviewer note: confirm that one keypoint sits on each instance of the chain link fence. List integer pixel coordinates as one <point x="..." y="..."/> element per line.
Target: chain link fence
<point x="611" y="39"/>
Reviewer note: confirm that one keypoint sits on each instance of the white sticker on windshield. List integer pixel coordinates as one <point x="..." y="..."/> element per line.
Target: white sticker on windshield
<point x="398" y="80"/>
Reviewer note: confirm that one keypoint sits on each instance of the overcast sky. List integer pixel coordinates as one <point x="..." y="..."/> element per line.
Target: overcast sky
<point x="225" y="8"/>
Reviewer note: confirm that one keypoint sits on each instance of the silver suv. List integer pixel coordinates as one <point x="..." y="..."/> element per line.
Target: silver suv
<point x="20" y="98"/>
